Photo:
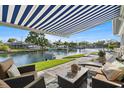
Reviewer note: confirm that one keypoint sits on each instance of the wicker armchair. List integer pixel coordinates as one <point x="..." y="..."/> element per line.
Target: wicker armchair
<point x="25" y="70"/>
<point x="26" y="81"/>
<point x="28" y="76"/>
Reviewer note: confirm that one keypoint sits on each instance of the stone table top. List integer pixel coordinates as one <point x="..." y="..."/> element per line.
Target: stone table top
<point x="63" y="74"/>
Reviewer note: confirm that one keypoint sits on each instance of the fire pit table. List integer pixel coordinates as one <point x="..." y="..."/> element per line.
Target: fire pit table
<point x="79" y="80"/>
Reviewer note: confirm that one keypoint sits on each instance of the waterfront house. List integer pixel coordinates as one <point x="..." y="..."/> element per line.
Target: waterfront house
<point x="21" y="45"/>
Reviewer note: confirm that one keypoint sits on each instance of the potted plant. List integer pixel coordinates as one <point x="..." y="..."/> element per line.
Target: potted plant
<point x="75" y="68"/>
<point x="102" y="57"/>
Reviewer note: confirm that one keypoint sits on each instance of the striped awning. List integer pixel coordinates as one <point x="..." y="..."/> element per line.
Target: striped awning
<point x="60" y="20"/>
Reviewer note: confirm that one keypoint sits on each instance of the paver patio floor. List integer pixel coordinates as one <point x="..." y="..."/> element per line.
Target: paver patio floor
<point x="51" y="74"/>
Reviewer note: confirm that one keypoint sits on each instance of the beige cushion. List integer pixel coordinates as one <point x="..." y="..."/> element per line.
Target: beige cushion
<point x="121" y="67"/>
<point x="111" y="71"/>
<point x="97" y="70"/>
<point x="13" y="71"/>
<point x="3" y="84"/>
<point x="4" y="66"/>
<point x="118" y="64"/>
<point x="30" y="73"/>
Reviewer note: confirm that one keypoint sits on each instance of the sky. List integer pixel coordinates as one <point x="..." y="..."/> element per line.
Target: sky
<point x="100" y="32"/>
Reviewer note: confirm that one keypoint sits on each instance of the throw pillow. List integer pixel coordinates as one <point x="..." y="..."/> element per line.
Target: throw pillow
<point x="121" y="67"/>
<point x="111" y="72"/>
<point x="13" y="71"/>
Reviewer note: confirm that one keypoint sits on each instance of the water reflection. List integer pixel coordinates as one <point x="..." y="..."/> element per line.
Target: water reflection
<point x="27" y="58"/>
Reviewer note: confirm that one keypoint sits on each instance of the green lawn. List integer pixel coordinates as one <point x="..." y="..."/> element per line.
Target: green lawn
<point x="75" y="56"/>
<point x="50" y="63"/>
<point x="94" y="53"/>
<point x="18" y="50"/>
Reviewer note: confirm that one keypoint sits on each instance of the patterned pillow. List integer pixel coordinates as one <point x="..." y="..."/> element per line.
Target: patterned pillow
<point x="111" y="72"/>
<point x="121" y="67"/>
<point x="13" y="71"/>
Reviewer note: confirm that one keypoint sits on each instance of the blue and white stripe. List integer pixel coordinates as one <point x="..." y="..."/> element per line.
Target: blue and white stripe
<point x="61" y="20"/>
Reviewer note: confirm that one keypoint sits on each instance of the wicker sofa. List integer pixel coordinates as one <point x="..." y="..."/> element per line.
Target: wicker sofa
<point x="100" y="81"/>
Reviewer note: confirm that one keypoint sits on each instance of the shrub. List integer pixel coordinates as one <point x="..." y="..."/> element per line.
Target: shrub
<point x="4" y="47"/>
<point x="101" y="53"/>
<point x="102" y="58"/>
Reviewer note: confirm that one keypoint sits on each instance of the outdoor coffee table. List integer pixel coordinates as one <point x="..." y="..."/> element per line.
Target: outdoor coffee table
<point x="75" y="82"/>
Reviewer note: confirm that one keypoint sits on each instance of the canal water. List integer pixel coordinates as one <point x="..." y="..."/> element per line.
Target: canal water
<point x="24" y="58"/>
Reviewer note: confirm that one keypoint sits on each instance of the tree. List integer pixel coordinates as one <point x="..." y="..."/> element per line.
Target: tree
<point x="12" y="40"/>
<point x="84" y="44"/>
<point x="100" y="44"/>
<point x="113" y="45"/>
<point x="1" y="42"/>
<point x="73" y="44"/>
<point x="58" y="43"/>
<point x="66" y="44"/>
<point x="37" y="39"/>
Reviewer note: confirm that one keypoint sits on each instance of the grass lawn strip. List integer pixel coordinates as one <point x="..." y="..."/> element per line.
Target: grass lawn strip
<point x="94" y="53"/>
<point x="75" y="56"/>
<point x="42" y="65"/>
<point x="50" y="63"/>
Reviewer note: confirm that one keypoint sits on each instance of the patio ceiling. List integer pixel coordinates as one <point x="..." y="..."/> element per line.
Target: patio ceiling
<point x="60" y="20"/>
